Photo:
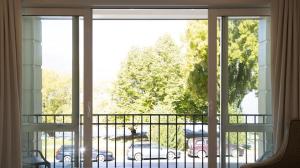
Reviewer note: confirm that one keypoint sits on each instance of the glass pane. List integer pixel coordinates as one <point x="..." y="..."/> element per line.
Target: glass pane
<point x="47" y="69"/>
<point x="47" y="91"/>
<point x="249" y="88"/>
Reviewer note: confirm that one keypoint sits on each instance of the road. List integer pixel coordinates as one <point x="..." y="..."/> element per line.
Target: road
<point x="162" y="163"/>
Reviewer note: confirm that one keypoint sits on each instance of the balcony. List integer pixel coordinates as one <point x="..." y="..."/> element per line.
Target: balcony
<point x="147" y="140"/>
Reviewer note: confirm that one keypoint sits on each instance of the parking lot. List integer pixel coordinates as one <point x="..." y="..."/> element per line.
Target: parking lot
<point x="183" y="162"/>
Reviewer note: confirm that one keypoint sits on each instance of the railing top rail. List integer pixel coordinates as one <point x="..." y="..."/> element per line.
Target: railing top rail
<point x="136" y="114"/>
<point x="252" y="115"/>
<point x="29" y="115"/>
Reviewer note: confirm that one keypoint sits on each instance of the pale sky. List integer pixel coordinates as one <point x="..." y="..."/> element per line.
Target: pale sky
<point x="112" y="40"/>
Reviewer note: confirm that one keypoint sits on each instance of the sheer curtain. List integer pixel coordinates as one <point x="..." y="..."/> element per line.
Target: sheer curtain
<point x="10" y="88"/>
<point x="285" y="65"/>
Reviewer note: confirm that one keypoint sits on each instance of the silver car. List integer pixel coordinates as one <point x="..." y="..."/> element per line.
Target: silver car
<point x="139" y="151"/>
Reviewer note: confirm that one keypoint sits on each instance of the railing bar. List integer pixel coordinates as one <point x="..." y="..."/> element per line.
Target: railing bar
<point x="193" y="141"/>
<point x="150" y="163"/>
<point x="254" y="141"/>
<point x="46" y="145"/>
<point x="54" y="143"/>
<point x="237" y="151"/>
<point x="228" y="149"/>
<point x="185" y="142"/>
<point x="142" y="139"/>
<point x="64" y="144"/>
<point x="202" y="142"/>
<point x="167" y="141"/>
<point x="72" y="139"/>
<point x="54" y="139"/>
<point x="115" y="141"/>
<point x="264" y="142"/>
<point x="98" y="143"/>
<point x="132" y="142"/>
<point x="264" y="137"/>
<point x="106" y="152"/>
<point x="246" y="142"/>
<point x="176" y="139"/>
<point x="158" y="141"/>
<point x="124" y="141"/>
<point x="37" y="135"/>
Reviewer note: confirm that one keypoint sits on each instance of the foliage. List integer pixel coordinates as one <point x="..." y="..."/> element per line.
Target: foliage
<point x="166" y="136"/>
<point x="149" y="77"/>
<point x="242" y="60"/>
<point x="56" y="94"/>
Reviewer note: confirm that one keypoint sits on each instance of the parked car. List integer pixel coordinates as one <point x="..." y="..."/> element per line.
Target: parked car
<point x="199" y="148"/>
<point x="66" y="153"/>
<point x="139" y="151"/>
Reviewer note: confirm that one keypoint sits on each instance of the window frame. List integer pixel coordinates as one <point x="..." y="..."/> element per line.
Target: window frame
<point x="225" y="126"/>
<point x="88" y="65"/>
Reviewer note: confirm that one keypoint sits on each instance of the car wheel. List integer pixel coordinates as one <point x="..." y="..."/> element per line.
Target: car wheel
<point x="201" y="154"/>
<point x="67" y="159"/>
<point x="138" y="157"/>
<point x="234" y="153"/>
<point x="171" y="155"/>
<point x="100" y="158"/>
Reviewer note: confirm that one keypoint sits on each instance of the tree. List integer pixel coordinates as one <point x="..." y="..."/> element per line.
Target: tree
<point x="56" y="94"/>
<point x="242" y="65"/>
<point x="150" y="81"/>
<point x="149" y="77"/>
<point x="242" y="60"/>
<point x="158" y="79"/>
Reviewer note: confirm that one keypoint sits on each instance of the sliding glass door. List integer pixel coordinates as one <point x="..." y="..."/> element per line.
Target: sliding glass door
<point x="52" y="88"/>
<point x="146" y="88"/>
<point x="244" y="112"/>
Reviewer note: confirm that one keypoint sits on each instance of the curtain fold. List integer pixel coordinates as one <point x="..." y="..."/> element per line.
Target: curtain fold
<point x="285" y="66"/>
<point x="10" y="83"/>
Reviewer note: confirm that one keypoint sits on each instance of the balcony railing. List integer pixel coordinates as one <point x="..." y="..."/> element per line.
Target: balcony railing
<point x="147" y="140"/>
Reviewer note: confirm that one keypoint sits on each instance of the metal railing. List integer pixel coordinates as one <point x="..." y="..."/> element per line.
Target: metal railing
<point x="145" y="140"/>
<point x="253" y="132"/>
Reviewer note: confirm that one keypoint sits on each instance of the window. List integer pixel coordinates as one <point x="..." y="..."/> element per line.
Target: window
<point x="150" y="78"/>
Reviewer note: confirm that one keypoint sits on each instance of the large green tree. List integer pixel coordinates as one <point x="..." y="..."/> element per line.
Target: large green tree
<point x="242" y="61"/>
<point x="242" y="65"/>
<point x="158" y="79"/>
<point x="149" y="78"/>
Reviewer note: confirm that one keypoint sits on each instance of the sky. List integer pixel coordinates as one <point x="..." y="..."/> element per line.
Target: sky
<point x="112" y="40"/>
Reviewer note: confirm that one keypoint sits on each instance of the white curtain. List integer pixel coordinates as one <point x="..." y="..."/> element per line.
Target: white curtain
<point x="10" y="88"/>
<point x="285" y="65"/>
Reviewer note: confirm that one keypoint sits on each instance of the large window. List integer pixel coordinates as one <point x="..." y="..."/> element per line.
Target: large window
<point x="146" y="87"/>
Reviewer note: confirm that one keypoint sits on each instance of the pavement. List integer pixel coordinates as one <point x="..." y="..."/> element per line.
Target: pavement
<point x="183" y="162"/>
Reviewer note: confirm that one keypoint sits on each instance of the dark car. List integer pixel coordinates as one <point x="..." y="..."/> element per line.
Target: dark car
<point x="66" y="153"/>
<point x="199" y="148"/>
<point x="141" y="151"/>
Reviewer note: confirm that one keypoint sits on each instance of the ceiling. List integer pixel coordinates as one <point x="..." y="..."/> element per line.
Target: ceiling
<point x="148" y="3"/>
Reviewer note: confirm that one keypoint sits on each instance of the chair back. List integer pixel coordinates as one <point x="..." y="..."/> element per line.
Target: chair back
<point x="292" y="153"/>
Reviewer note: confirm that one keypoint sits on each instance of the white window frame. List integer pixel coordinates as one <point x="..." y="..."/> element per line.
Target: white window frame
<point x="87" y="70"/>
<point x="225" y="125"/>
<point x="88" y="62"/>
